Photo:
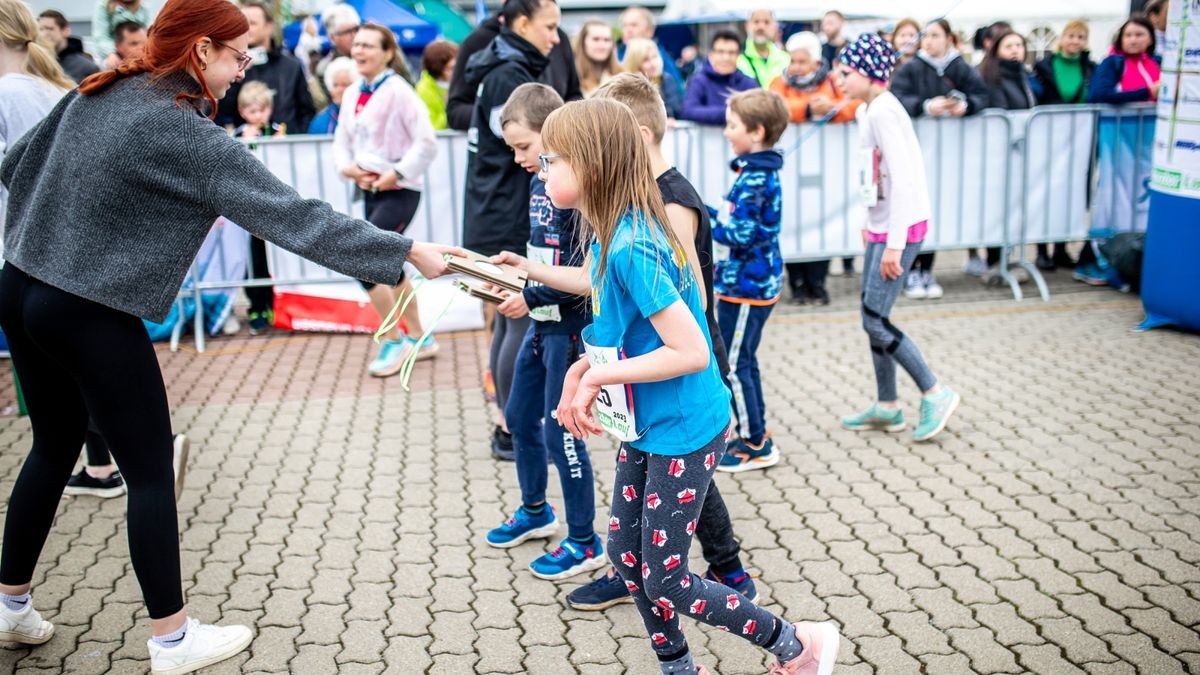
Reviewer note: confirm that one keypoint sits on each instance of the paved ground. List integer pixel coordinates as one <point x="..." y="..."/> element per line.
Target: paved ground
<point x="1053" y="529"/>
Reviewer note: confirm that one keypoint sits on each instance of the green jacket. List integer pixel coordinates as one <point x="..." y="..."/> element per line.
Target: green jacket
<point x="765" y="70"/>
<point x="104" y="22"/>
<point x="434" y="98"/>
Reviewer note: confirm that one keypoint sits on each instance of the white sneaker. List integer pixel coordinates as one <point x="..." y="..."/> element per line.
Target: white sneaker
<point x="933" y="290"/>
<point x="179" y="459"/>
<point x="914" y="286"/>
<point x="25" y="626"/>
<point x="975" y="266"/>
<point x="203" y="645"/>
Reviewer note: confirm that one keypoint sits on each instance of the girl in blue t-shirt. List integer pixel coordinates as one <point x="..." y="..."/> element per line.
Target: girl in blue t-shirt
<point x="654" y="385"/>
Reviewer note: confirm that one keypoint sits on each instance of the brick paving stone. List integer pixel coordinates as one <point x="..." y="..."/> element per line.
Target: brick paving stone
<point x="887" y="655"/>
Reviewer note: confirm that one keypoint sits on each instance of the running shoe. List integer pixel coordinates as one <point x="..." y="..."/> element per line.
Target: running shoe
<point x="935" y="412"/>
<point x="876" y="418"/>
<point x="602" y="593"/>
<point x="523" y="526"/>
<point x="742" y="455"/>
<point x="202" y="645"/>
<point x="568" y="559"/>
<point x="83" y="483"/>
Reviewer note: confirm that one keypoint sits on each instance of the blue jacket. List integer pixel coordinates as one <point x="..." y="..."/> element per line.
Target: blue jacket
<point x="754" y="270"/>
<point x="555" y="229"/>
<point x="326" y="121"/>
<point x="1105" y="79"/>
<point x="708" y="91"/>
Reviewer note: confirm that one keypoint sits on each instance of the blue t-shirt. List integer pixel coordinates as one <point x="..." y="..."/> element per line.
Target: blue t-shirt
<point x="643" y="277"/>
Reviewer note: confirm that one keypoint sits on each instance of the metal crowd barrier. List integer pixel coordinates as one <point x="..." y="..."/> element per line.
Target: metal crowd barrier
<point x="1003" y="179"/>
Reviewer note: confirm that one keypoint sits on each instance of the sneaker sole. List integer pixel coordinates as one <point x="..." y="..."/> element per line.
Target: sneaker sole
<point x="427" y="353"/>
<point x="890" y="428"/>
<point x="103" y="493"/>
<point x="600" y="606"/>
<point x="26" y="639"/>
<point x="389" y="371"/>
<point x="587" y="566"/>
<point x="235" y="649"/>
<point x="543" y="532"/>
<point x="763" y="463"/>
<point x="946" y="418"/>
<point x="181" y="450"/>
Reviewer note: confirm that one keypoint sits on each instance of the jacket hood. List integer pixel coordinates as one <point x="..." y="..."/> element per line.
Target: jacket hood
<point x="940" y="64"/>
<point x="764" y="160"/>
<point x="507" y="46"/>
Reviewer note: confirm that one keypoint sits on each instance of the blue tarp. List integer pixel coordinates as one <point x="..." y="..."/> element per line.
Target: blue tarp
<point x="411" y="31"/>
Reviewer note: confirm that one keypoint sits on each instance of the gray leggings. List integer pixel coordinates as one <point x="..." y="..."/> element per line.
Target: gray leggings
<point x="507" y="335"/>
<point x="888" y="345"/>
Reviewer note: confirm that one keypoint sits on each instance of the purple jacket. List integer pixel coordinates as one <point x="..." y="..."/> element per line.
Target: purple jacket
<point x="707" y="92"/>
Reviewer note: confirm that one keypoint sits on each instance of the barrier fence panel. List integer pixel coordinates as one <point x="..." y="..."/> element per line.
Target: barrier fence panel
<point x="995" y="179"/>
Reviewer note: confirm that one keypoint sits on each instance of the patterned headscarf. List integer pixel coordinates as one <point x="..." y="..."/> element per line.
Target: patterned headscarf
<point x="870" y="55"/>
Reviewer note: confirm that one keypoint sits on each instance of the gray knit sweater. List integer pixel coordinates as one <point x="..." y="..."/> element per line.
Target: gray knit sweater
<point x="111" y="196"/>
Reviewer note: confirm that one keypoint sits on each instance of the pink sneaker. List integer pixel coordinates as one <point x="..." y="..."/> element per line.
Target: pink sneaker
<point x="820" y="642"/>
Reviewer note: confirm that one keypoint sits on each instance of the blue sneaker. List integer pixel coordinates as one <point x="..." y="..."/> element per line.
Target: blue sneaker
<point x="1090" y="274"/>
<point x="524" y="526"/>
<point x="744" y="455"/>
<point x="739" y="581"/>
<point x="390" y="358"/>
<point x="569" y="559"/>
<point x="604" y="592"/>
<point x="935" y="412"/>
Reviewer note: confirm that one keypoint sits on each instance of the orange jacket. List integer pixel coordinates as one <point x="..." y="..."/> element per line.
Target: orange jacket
<point x="797" y="101"/>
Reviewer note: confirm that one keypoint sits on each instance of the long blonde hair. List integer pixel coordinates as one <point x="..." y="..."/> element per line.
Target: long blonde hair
<point x="591" y="73"/>
<point x="637" y="51"/>
<point x="19" y="32"/>
<point x="600" y="139"/>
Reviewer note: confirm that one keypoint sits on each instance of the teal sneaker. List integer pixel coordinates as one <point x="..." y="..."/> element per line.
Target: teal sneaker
<point x="569" y="559"/>
<point x="742" y="455"/>
<point x="935" y="412"/>
<point x="876" y="417"/>
<point x="390" y="358"/>
<point x="524" y="526"/>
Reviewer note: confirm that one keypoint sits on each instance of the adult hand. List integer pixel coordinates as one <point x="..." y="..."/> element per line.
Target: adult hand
<point x="820" y="106"/>
<point x="959" y="109"/>
<point x="366" y="181"/>
<point x="1154" y="89"/>
<point x="514" y="307"/>
<point x="386" y="181"/>
<point x="889" y="267"/>
<point x="353" y="172"/>
<point x="429" y="258"/>
<point x="938" y="105"/>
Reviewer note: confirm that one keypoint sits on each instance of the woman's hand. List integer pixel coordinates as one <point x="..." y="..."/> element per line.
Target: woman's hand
<point x="1154" y="89"/>
<point x="820" y="106"/>
<point x="514" y="307"/>
<point x="889" y="267"/>
<point x="429" y="259"/>
<point x="959" y="109"/>
<point x="387" y="181"/>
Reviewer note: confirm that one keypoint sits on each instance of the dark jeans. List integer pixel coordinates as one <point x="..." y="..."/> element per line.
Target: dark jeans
<point x="262" y="298"/>
<point x="808" y="278"/>
<point x="76" y="357"/>
<point x="541" y="367"/>
<point x="742" y="328"/>
<point x="924" y="263"/>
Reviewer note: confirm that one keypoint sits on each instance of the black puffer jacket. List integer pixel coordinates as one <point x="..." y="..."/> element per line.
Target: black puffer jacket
<point x="75" y="63"/>
<point x="1045" y="84"/>
<point x="919" y="80"/>
<point x="496" y="208"/>
<point x="1012" y="92"/>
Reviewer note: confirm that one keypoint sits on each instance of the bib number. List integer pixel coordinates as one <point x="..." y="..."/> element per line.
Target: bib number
<point x="614" y="403"/>
<point x="546" y="256"/>
<point x="868" y="176"/>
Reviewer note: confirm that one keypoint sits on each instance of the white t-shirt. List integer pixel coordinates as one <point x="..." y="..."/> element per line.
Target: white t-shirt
<point x="24" y="101"/>
<point x="885" y="126"/>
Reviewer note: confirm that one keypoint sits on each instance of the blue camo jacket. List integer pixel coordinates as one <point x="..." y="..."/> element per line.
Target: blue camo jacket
<point x="753" y="272"/>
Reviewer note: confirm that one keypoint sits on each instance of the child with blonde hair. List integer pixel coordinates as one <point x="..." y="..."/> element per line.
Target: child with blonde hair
<point x="255" y="103"/>
<point x="651" y="375"/>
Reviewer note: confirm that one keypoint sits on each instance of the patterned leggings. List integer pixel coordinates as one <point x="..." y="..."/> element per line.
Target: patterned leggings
<point x="654" y="513"/>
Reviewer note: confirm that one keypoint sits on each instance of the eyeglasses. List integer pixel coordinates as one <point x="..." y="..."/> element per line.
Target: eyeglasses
<point x="244" y="59"/>
<point x="345" y="31"/>
<point x="544" y="161"/>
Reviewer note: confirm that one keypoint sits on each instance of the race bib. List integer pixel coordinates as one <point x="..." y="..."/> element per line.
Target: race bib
<point x="868" y="176"/>
<point x="546" y="256"/>
<point x="614" y="405"/>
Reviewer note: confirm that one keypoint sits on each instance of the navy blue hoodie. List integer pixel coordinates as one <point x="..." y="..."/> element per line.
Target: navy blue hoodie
<point x="556" y="231"/>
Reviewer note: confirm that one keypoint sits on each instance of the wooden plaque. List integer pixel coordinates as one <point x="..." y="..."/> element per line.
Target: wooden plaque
<point x="479" y="292"/>
<point x="480" y="267"/>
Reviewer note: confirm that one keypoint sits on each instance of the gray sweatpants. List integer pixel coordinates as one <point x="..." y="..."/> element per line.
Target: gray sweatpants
<point x="507" y="335"/>
<point x="889" y="346"/>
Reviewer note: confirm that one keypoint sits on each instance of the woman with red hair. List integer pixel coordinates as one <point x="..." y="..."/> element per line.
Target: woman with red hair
<point x="148" y="172"/>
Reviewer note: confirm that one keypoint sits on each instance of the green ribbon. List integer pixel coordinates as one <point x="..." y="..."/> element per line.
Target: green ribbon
<point x="393" y="319"/>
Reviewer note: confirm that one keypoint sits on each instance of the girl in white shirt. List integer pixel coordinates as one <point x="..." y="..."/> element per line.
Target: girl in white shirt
<point x="897" y="197"/>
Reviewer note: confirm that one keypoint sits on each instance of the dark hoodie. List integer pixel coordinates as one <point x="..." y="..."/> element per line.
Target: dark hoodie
<point x="1012" y="92"/>
<point x="496" y="204"/>
<point x="560" y="74"/>
<point x="74" y="62"/>
<point x="708" y="91"/>
<point x="292" y="105"/>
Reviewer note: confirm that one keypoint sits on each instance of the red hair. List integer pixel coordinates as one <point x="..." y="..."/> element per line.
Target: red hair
<point x="170" y="45"/>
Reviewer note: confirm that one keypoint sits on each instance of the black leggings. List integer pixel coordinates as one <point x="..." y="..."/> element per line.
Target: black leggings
<point x="76" y="357"/>
<point x="391" y="211"/>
